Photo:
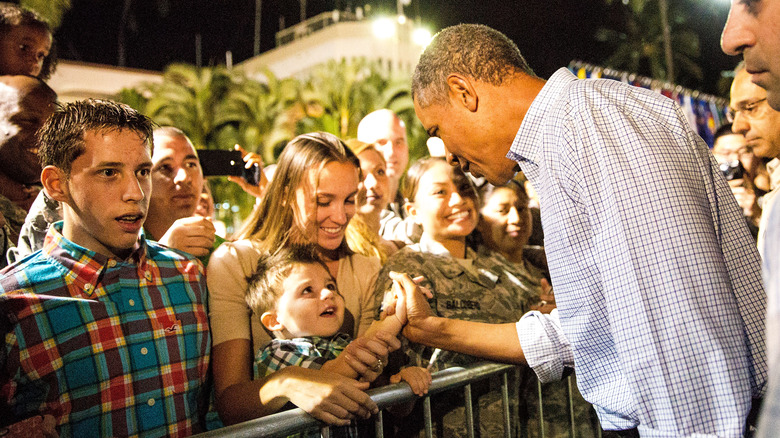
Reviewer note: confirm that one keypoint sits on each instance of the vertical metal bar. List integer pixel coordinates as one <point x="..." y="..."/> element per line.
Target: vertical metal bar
<point x="505" y="397"/>
<point x="572" y="431"/>
<point x="325" y="432"/>
<point x="469" y="411"/>
<point x="379" y="431"/>
<point x="541" y="408"/>
<point x="427" y="417"/>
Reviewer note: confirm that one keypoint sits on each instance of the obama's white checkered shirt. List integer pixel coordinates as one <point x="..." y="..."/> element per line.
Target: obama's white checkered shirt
<point x="656" y="276"/>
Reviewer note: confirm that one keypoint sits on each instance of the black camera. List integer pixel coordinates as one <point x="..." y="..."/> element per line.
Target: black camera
<point x="220" y="162"/>
<point x="732" y="170"/>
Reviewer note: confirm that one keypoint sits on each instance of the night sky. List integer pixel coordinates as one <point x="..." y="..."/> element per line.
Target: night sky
<point x="549" y="33"/>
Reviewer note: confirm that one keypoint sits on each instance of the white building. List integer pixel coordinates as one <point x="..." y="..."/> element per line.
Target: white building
<point x="393" y="41"/>
<point x="80" y="80"/>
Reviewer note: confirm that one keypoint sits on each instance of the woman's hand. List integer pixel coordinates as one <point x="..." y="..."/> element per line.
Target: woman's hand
<point x="365" y="357"/>
<point x="328" y="397"/>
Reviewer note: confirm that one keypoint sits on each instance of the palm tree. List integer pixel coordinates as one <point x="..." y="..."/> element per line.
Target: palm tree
<point x="260" y="116"/>
<point x="339" y="93"/>
<point x="643" y="48"/>
<point x="188" y="98"/>
<point x="51" y="10"/>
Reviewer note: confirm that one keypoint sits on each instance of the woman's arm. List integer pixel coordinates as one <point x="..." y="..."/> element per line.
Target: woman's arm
<point x="329" y="397"/>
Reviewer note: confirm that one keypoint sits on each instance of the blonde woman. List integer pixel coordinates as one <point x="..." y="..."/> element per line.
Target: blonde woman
<point x="373" y="196"/>
<point x="311" y="199"/>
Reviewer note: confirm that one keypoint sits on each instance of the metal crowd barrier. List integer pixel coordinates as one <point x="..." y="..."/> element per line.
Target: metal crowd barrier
<point x="289" y="422"/>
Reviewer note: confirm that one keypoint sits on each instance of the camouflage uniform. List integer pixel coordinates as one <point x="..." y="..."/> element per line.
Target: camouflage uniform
<point x="43" y="212"/>
<point x="14" y="219"/>
<point x="491" y="290"/>
<point x="485" y="288"/>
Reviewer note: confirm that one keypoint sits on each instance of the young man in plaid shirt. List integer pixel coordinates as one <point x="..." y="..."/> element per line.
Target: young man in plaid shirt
<point x="102" y="331"/>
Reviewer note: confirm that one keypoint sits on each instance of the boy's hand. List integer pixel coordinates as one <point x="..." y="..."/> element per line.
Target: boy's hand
<point x="400" y="302"/>
<point x="418" y="378"/>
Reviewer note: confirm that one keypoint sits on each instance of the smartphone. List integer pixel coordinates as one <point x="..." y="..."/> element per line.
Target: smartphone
<point x="732" y="170"/>
<point x="227" y="163"/>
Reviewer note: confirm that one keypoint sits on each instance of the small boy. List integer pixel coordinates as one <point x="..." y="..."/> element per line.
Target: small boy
<point x="26" y="43"/>
<point x="299" y="302"/>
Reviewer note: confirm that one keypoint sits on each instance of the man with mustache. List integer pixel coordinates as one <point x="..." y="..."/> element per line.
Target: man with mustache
<point x="104" y="332"/>
<point x="177" y="183"/>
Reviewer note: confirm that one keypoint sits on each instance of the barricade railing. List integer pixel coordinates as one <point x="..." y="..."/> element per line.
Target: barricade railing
<point x="289" y="422"/>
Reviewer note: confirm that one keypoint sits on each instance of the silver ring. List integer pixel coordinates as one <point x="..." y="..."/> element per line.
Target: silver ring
<point x="378" y="366"/>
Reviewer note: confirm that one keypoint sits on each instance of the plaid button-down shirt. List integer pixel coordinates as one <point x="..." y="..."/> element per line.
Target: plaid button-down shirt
<point x="308" y="352"/>
<point x="108" y="347"/>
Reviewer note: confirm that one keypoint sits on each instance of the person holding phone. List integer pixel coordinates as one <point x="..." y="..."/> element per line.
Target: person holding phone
<point x="177" y="181"/>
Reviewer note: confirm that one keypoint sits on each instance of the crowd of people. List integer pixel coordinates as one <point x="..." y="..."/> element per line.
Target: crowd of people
<point x="124" y="313"/>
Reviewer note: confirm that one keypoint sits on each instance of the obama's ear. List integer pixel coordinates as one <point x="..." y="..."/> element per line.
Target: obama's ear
<point x="462" y="92"/>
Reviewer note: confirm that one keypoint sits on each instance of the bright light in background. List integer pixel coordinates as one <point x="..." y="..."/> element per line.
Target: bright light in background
<point x="384" y="28"/>
<point x="401" y="19"/>
<point x="435" y="147"/>
<point x="422" y="37"/>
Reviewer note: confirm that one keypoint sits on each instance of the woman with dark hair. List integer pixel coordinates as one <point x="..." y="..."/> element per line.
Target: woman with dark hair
<point x="466" y="285"/>
<point x="310" y="199"/>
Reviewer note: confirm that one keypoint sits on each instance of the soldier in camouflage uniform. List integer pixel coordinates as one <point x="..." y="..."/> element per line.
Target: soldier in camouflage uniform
<point x="505" y="227"/>
<point x="486" y="288"/>
<point x="481" y="287"/>
<point x="11" y="220"/>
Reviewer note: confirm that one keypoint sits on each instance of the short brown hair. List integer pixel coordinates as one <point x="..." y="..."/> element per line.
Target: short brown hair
<point x="265" y="284"/>
<point x="61" y="139"/>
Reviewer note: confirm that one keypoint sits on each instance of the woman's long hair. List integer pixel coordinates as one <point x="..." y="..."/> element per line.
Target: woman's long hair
<point x="276" y="221"/>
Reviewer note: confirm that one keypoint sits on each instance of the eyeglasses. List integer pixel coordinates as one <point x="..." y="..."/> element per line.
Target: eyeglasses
<point x="749" y="110"/>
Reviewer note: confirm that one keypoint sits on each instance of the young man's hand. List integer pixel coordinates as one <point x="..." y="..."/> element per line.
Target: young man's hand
<point x="194" y="235"/>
